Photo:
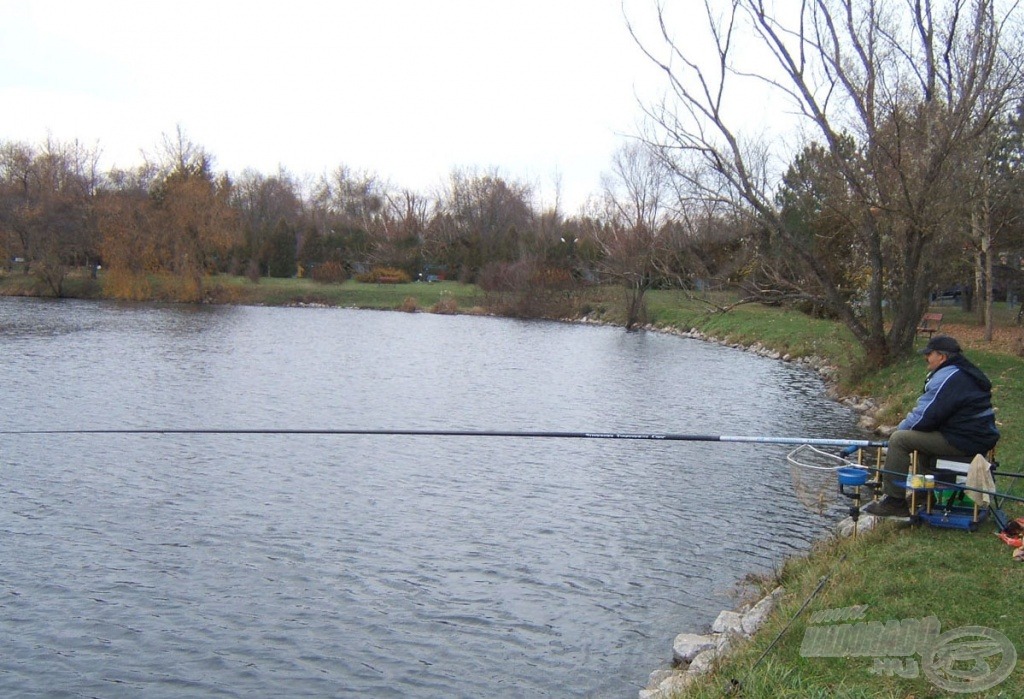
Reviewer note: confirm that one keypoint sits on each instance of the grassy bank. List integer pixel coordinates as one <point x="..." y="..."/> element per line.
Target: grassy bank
<point x="962" y="579"/>
<point x="271" y="292"/>
<point x="900" y="573"/>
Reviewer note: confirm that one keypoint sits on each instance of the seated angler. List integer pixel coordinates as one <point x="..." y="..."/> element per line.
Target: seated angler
<point x="953" y="417"/>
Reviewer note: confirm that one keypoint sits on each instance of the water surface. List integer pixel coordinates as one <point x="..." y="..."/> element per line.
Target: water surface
<point x="384" y="566"/>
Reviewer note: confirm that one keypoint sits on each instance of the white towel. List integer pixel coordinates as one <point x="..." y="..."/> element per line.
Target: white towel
<point x="979" y="476"/>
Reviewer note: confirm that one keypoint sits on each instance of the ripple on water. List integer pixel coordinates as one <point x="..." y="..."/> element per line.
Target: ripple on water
<point x="174" y="565"/>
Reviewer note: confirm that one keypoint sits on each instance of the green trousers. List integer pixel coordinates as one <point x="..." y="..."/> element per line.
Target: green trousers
<point x="901" y="444"/>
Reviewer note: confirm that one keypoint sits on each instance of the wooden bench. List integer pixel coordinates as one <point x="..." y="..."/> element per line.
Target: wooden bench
<point x="930" y="324"/>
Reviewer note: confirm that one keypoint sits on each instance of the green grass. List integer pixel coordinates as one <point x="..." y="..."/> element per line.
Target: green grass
<point x="899" y="573"/>
<point x="275" y="292"/>
<point x="348" y="294"/>
<point x="784" y="330"/>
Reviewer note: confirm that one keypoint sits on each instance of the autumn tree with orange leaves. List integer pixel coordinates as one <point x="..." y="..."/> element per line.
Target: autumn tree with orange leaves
<point x="172" y="216"/>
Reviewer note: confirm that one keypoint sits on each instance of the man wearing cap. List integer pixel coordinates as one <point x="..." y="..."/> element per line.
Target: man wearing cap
<point x="953" y="417"/>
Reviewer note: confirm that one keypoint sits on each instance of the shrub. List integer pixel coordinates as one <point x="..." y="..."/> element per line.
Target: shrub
<point x="552" y="278"/>
<point x="183" y="289"/>
<point x="125" y="285"/>
<point x="385" y="275"/>
<point x="446" y="305"/>
<point x="329" y="273"/>
<point x="505" y="276"/>
<point x="527" y="289"/>
<point x="410" y="304"/>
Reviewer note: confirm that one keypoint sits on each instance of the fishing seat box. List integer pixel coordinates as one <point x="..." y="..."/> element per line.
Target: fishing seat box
<point x="947" y="505"/>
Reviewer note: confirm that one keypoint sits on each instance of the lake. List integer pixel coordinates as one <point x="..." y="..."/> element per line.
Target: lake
<point x="168" y="565"/>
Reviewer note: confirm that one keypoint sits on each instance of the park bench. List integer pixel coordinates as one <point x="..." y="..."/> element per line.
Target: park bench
<point x="930" y="324"/>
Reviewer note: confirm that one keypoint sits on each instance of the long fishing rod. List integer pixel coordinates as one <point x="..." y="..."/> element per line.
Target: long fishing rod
<point x="666" y="437"/>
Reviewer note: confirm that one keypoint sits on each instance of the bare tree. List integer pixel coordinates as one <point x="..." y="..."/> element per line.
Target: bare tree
<point x="916" y="85"/>
<point x="352" y="198"/>
<point x="995" y="212"/>
<point x="17" y="187"/>
<point x="46" y="206"/>
<point x="982" y="233"/>
<point x="347" y="210"/>
<point x="634" y="216"/>
<point x="266" y="204"/>
<point x="483" y="218"/>
<point x="404" y="221"/>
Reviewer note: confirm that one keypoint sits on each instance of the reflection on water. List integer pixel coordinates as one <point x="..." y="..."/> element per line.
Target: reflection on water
<point x="275" y="565"/>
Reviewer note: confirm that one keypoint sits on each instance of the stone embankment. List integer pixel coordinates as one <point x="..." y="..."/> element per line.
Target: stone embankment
<point x="694" y="655"/>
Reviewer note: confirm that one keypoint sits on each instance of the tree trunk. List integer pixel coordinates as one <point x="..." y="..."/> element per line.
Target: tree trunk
<point x="636" y="307"/>
<point x="987" y="247"/>
<point x="983" y="265"/>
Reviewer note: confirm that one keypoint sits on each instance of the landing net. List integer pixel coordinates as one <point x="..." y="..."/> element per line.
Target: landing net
<point x="813" y="472"/>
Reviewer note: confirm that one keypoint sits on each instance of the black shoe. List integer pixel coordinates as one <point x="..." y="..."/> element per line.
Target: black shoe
<point x="888" y="507"/>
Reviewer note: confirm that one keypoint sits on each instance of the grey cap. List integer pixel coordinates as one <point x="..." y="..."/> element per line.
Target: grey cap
<point x="942" y="343"/>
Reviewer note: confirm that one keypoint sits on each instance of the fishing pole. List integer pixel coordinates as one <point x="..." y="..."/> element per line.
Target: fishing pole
<point x="666" y="437"/>
<point x="735" y="684"/>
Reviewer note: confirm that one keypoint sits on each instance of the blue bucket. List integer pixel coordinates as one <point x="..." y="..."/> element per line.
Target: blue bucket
<point x="848" y="475"/>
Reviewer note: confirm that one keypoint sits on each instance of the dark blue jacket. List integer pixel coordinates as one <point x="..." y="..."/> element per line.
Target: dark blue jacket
<point x="957" y="402"/>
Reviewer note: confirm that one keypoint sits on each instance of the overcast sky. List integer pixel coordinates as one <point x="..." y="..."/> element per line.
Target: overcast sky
<point x="407" y="89"/>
